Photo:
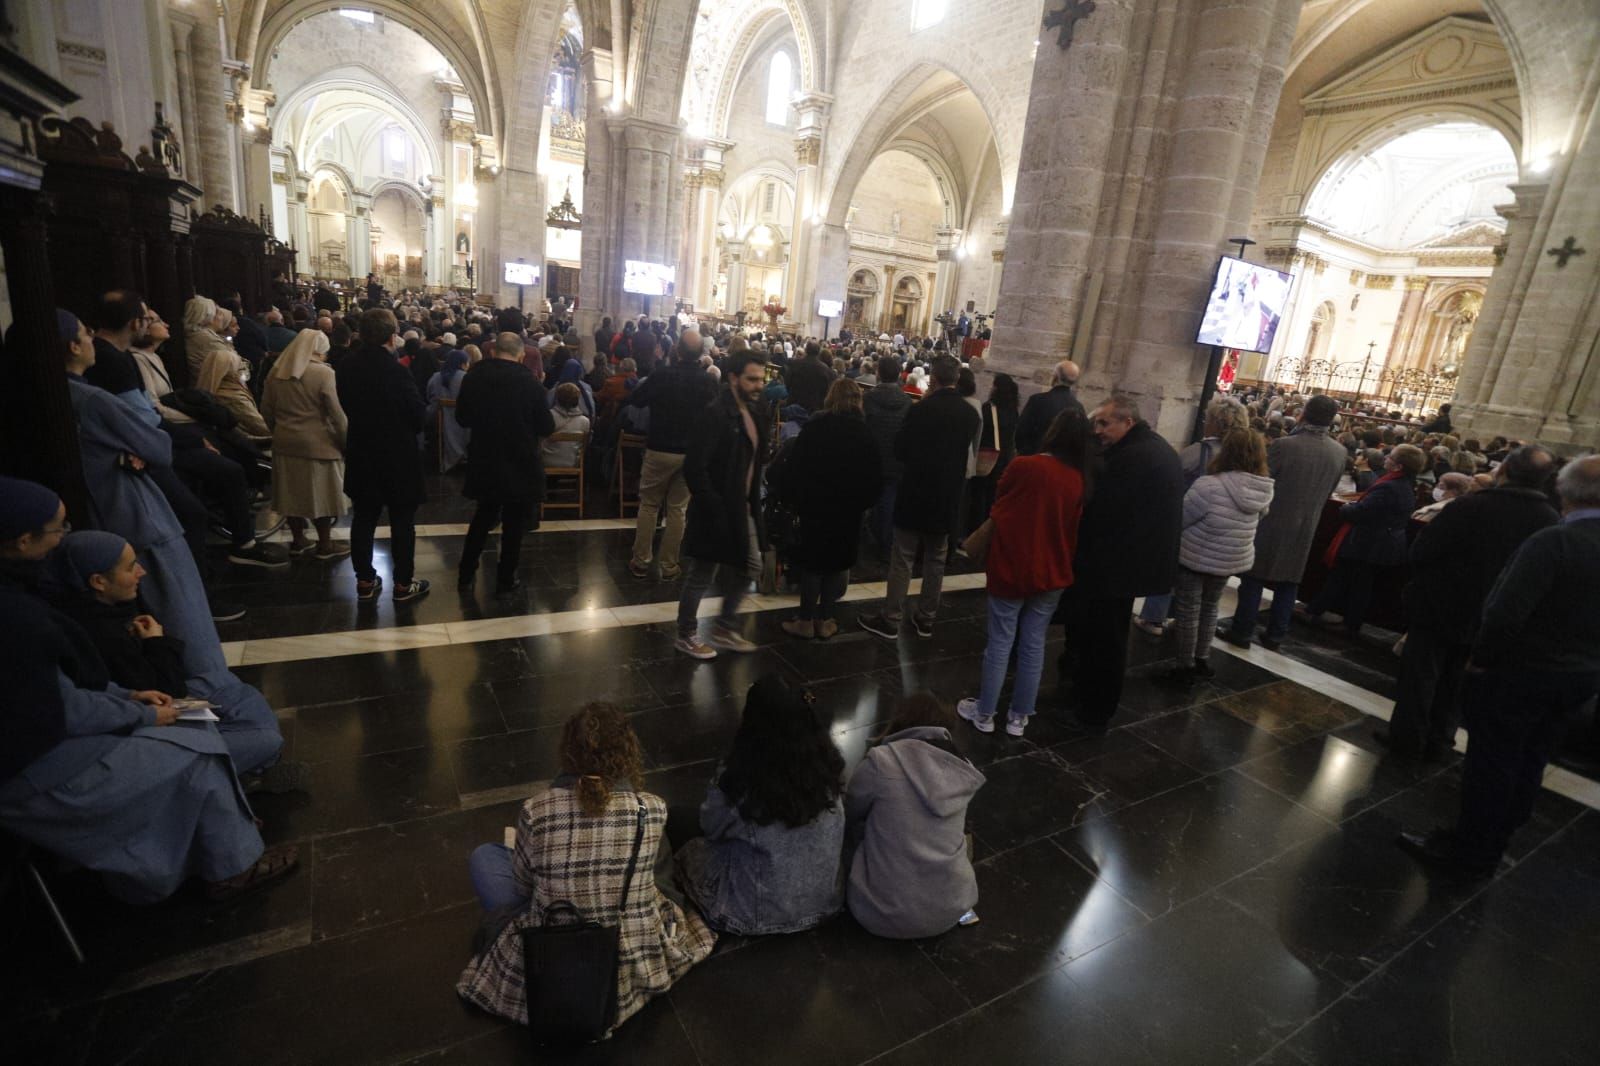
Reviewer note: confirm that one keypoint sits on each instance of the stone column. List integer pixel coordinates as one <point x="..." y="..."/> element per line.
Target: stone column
<point x="299" y="225"/>
<point x="929" y="308"/>
<point x="1140" y="155"/>
<point x="734" y="299"/>
<point x="944" y="251"/>
<point x="358" y="241"/>
<point x="1503" y="301"/>
<point x="800" y="283"/>
<point x="486" y="254"/>
<point x="993" y="296"/>
<point x="211" y="120"/>
<point x="886" y="312"/>
<point x="182" y="25"/>
<point x="1403" y="352"/>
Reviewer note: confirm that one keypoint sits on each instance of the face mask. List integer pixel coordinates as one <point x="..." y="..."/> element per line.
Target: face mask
<point x="1438" y="493"/>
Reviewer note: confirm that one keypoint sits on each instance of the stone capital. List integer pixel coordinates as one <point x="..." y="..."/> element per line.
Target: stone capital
<point x="458" y="130"/>
<point x="808" y="151"/>
<point x="998" y="255"/>
<point x="1418" y="283"/>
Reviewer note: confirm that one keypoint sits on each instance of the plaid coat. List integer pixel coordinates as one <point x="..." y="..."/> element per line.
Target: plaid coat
<point x="563" y="854"/>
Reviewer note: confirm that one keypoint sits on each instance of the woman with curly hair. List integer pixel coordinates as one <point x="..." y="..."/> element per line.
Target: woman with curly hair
<point x="773" y="821"/>
<point x="573" y="844"/>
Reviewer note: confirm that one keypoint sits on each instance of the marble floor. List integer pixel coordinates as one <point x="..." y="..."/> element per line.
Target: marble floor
<point x="1214" y="881"/>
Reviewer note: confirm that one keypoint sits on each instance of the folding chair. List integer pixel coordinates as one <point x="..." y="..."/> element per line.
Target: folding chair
<point x="630" y="462"/>
<point x="582" y="441"/>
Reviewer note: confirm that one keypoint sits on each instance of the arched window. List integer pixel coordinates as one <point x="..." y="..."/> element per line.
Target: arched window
<point x="925" y="13"/>
<point x="779" y="78"/>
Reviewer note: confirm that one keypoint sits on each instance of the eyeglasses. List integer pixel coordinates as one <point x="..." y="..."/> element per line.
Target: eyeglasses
<point x="66" y="527"/>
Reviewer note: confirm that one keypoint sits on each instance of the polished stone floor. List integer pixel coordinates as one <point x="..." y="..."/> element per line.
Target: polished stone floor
<point x="1212" y="882"/>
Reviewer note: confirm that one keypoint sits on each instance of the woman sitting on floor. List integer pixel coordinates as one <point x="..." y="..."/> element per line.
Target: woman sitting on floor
<point x="906" y="808"/>
<point x="93" y="579"/>
<point x="773" y="822"/>
<point x="573" y="843"/>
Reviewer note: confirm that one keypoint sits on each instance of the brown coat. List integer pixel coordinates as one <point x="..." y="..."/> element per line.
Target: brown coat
<point x="563" y="854"/>
<point x="305" y="416"/>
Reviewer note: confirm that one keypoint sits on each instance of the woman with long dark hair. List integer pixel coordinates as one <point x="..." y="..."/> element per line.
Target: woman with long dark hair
<point x="773" y="821"/>
<point x="574" y="842"/>
<point x="1029" y="564"/>
<point x="999" y="431"/>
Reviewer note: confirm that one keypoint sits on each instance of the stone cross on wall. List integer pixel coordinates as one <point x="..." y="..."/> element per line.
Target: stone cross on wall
<point x="1568" y="249"/>
<point x="1067" y="19"/>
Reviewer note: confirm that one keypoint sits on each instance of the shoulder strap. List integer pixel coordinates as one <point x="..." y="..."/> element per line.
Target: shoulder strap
<point x="633" y="860"/>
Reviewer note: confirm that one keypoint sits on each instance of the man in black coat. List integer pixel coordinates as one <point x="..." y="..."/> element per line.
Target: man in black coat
<point x="885" y="405"/>
<point x="1454" y="563"/>
<point x="325" y="299"/>
<point x="727" y="449"/>
<point x="508" y="412"/>
<point x="676" y="397"/>
<point x="1042" y="407"/>
<point x="933" y="444"/>
<point x="383" y="468"/>
<point x="1127" y="547"/>
<point x="1535" y="661"/>
<point x="808" y="379"/>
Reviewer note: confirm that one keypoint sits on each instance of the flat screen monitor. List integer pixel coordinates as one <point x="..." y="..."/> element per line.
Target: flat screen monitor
<point x="829" y="308"/>
<point x="522" y="273"/>
<point x="647" y="279"/>
<point x="1247" y="303"/>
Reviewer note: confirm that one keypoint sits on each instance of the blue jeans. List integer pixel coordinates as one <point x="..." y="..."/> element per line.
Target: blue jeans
<point x="1248" y="607"/>
<point x="492" y="879"/>
<point x="1023" y="623"/>
<point x="1157" y="609"/>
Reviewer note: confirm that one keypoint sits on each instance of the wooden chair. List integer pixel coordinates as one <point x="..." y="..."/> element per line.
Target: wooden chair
<point x="551" y="472"/>
<point x="444" y="402"/>
<point x="630" y="462"/>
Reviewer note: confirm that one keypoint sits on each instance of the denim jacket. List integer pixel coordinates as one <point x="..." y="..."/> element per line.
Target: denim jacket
<point x="755" y="879"/>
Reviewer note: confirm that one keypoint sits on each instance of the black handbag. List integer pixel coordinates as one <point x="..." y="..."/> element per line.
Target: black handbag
<point x="570" y="968"/>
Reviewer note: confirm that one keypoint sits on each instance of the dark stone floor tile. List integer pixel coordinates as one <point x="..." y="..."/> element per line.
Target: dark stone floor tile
<point x="652" y="1036"/>
<point x="490" y="769"/>
<point x="1436" y="801"/>
<point x="864" y="700"/>
<point x="1146" y="693"/>
<point x="1550" y="906"/>
<point x="550" y="699"/>
<point x="1031" y="796"/>
<point x="1047" y="1022"/>
<point x="688" y="733"/>
<point x="1468" y="994"/>
<point x="595" y="652"/>
<point x="683" y="785"/>
<point x="374" y="877"/>
<point x="1206" y="738"/>
<point x="681" y="679"/>
<point x="1577" y="846"/>
<point x="950" y="679"/>
<point x="1289" y="711"/>
<point x="56" y="1037"/>
<point x="308" y="682"/>
<point x="1167" y="850"/>
<point x="1039" y="909"/>
<point x="831" y="996"/>
<point x="361" y="792"/>
<point x="1132" y="772"/>
<point x="1205" y="984"/>
<point x="396" y="722"/>
<point x="1332" y="776"/>
<point x="374" y="997"/>
<point x="849" y="654"/>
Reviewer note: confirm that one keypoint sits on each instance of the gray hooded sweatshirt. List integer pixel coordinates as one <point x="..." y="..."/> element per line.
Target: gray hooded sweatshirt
<point x="907" y="803"/>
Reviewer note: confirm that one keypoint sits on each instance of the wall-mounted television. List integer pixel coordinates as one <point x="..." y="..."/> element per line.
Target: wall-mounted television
<point x="1246" y="304"/>
<point x="830" y="308"/>
<point x="522" y="273"/>
<point x="648" y="279"/>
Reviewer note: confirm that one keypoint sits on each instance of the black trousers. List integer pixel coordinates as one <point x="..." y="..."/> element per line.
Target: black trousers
<point x="1515" y="720"/>
<point x="513" y="518"/>
<point x="402" y="539"/>
<point x="1348" y="591"/>
<point x="220" y="481"/>
<point x="1097" y="637"/>
<point x="1426" y="711"/>
<point x="190" y="512"/>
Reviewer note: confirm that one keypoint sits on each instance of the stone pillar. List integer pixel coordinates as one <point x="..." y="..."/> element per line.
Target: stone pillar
<point x="299" y="225"/>
<point x="1140" y="155"/>
<point x="944" y="251"/>
<point x="211" y="120"/>
<point x="929" y="308"/>
<point x="1403" y="353"/>
<point x="993" y="297"/>
<point x="733" y="301"/>
<point x="358" y="241"/>
<point x="800" y="282"/>
<point x="182" y="25"/>
<point x="707" y="199"/>
<point x="486" y="254"/>
<point x="886" y="312"/>
<point x="1503" y="301"/>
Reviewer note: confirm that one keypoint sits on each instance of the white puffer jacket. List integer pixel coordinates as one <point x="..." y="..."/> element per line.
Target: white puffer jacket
<point x="1220" y="513"/>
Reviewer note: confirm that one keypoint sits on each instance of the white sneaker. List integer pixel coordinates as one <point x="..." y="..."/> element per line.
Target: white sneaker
<point x="968" y="709"/>
<point x="695" y="647"/>
<point x="728" y="640"/>
<point x="1016" y="724"/>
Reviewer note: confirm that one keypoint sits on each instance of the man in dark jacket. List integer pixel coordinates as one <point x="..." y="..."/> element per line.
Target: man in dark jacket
<point x="808" y="379"/>
<point x="676" y="397"/>
<point x="886" y="404"/>
<point x="1127" y="547"/>
<point x="1535" y="660"/>
<point x="933" y="444"/>
<point x="727" y="449"/>
<point x="1454" y="563"/>
<point x="508" y="412"/>
<point x="1042" y="407"/>
<point x="383" y="468"/>
<point x="325" y="299"/>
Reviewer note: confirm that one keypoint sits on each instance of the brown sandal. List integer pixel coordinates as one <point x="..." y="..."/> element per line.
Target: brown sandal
<point x="274" y="863"/>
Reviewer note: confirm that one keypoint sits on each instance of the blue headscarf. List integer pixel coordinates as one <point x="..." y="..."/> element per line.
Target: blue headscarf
<point x="454" y="363"/>
<point x="571" y="371"/>
<point x="25" y="506"/>
<point x="83" y="554"/>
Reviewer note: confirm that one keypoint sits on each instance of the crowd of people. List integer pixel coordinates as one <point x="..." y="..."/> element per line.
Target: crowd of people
<point x="132" y="750"/>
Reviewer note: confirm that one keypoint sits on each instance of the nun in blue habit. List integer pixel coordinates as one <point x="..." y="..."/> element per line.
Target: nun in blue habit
<point x="117" y="439"/>
<point x="94" y="579"/>
<point x="87" y="770"/>
<point x="446" y="385"/>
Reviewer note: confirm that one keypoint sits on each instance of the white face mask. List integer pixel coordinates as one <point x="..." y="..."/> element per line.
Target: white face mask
<point x="1438" y="493"/>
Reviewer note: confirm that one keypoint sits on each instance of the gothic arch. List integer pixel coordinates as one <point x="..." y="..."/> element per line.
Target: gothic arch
<point x="722" y="65"/>
<point x="384" y="100"/>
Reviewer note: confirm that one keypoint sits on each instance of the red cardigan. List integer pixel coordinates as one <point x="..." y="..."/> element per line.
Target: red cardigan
<point x="1036" y="512"/>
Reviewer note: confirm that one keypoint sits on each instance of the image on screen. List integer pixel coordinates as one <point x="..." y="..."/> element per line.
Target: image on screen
<point x="1246" y="304"/>
<point x="522" y="273"/>
<point x="647" y="279"/>
<point x="829" y="308"/>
